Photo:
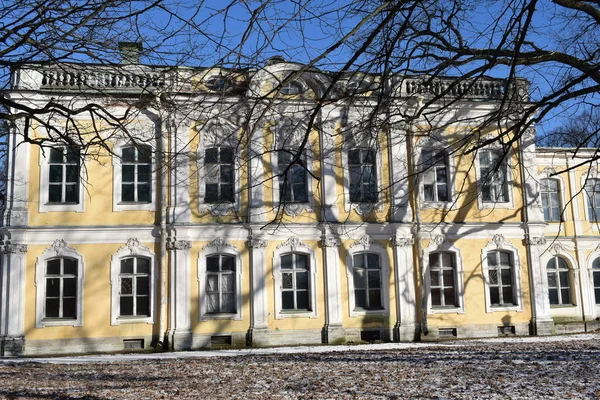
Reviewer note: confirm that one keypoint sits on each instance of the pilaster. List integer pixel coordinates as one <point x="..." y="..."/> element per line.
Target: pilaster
<point x="542" y="321"/>
<point x="258" y="329"/>
<point x="16" y="212"/>
<point x="398" y="161"/>
<point x="333" y="330"/>
<point x="179" y="168"/>
<point x="330" y="121"/>
<point x="12" y="300"/>
<point x="407" y="325"/>
<point x="257" y="210"/>
<point x="180" y="329"/>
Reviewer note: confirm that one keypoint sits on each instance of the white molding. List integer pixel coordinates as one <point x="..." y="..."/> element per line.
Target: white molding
<point x="118" y="205"/>
<point x="367" y="245"/>
<point x="59" y="249"/>
<point x="219" y="246"/>
<point x="44" y="204"/>
<point x="498" y="243"/>
<point x="560" y="250"/>
<point x="132" y="248"/>
<point x="439" y="244"/>
<point x="294" y="245"/>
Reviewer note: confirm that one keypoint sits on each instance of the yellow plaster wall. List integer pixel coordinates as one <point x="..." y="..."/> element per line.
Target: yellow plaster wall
<point x="96" y="297"/>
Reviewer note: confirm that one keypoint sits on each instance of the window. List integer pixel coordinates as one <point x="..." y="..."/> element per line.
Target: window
<point x="292" y="88"/>
<point x="136" y="166"/>
<point x="559" y="285"/>
<point x="61" y="289"/>
<point x="216" y="83"/>
<point x="435" y="176"/>
<point x="134" y="284"/>
<point x="592" y="189"/>
<point x="363" y="177"/>
<point x="596" y="278"/>
<point x="493" y="175"/>
<point x="220" y="284"/>
<point x="219" y="175"/>
<point x="59" y="286"/>
<point x="442" y="279"/>
<point x="500" y="270"/>
<point x="293" y="186"/>
<point x="295" y="290"/>
<point x="63" y="175"/>
<point x="367" y="281"/>
<point x="550" y="200"/>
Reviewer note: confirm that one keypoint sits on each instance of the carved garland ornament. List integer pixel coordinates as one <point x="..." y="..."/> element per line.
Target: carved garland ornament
<point x="366" y="241"/>
<point x="179" y="245"/>
<point x="219" y="243"/>
<point x="293" y="242"/>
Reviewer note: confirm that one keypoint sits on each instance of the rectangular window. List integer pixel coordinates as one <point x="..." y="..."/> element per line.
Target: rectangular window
<point x="501" y="278"/>
<point x="435" y="176"/>
<point x="295" y="282"/>
<point x="367" y="281"/>
<point x="592" y="189"/>
<point x="363" y="178"/>
<point x="596" y="278"/>
<point x="219" y="175"/>
<point x="494" y="179"/>
<point x="63" y="175"/>
<point x="442" y="279"/>
<point x="220" y="284"/>
<point x="61" y="289"/>
<point x="292" y="177"/>
<point x="134" y="284"/>
<point x="136" y="170"/>
<point x="550" y="200"/>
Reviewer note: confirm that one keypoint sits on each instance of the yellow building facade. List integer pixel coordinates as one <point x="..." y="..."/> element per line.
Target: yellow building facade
<point x="235" y="209"/>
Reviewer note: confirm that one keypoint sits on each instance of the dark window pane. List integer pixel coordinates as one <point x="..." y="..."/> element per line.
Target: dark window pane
<point x="359" y="279"/>
<point x="55" y="193"/>
<point x="374" y="299"/>
<point x="212" y="193"/>
<point x="226" y="174"/>
<point x="128" y="173"/>
<point x="301" y="280"/>
<point x="212" y="263"/>
<point x="553" y="294"/>
<point x="72" y="173"/>
<point x="53" y="267"/>
<point x="354" y="157"/>
<point x="506" y="276"/>
<point x="374" y="281"/>
<point x="72" y="193"/>
<point x="373" y="260"/>
<point x="494" y="295"/>
<point x="144" y="173"/>
<point x="55" y="173"/>
<point x="52" y="308"/>
<point x="56" y="155"/>
<point x="227" y="155"/>
<point x="228" y="303"/>
<point x="70" y="287"/>
<point x="507" y="293"/>
<point x="448" y="278"/>
<point x="127" y="192"/>
<point x="286" y="261"/>
<point x="287" y="300"/>
<point x="301" y="261"/>
<point x="287" y="280"/>
<point x="143" y="266"/>
<point x="144" y="155"/>
<point x="52" y="287"/>
<point x="142" y="306"/>
<point x="142" y="285"/>
<point x="227" y="193"/>
<point x="211" y="156"/>
<point x="212" y="303"/>
<point x="360" y="298"/>
<point x="126" y="306"/>
<point x="358" y="260"/>
<point x="227" y="283"/>
<point x="144" y="193"/>
<point x="302" y="300"/>
<point x="443" y="193"/>
<point x="128" y="154"/>
<point x="70" y="308"/>
<point x="127" y="266"/>
<point x="70" y="266"/>
<point x="565" y="296"/>
<point x="597" y="294"/>
<point x="449" y="298"/>
<point x="435" y="297"/>
<point x="564" y="279"/>
<point x="228" y="263"/>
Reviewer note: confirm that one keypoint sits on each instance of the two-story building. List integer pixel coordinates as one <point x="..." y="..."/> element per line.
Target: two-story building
<point x="191" y="208"/>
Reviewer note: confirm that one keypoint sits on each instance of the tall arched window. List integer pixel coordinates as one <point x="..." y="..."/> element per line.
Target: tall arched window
<point x="366" y="270"/>
<point x="501" y="278"/>
<point x="442" y="279"/>
<point x="559" y="281"/>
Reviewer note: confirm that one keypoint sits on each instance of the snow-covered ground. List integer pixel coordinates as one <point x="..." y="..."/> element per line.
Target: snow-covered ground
<point x="519" y="368"/>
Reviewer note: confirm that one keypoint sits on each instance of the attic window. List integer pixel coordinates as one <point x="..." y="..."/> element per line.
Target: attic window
<point x="292" y="88"/>
<point x="216" y="83"/>
<point x="357" y="85"/>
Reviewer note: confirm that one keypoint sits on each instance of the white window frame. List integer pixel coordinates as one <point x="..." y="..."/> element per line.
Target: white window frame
<point x="593" y="257"/>
<point x="291" y="139"/>
<point x="555" y="227"/>
<point x="452" y="203"/>
<point x="218" y="132"/>
<point x="499" y="244"/>
<point x="508" y="164"/>
<point x="59" y="249"/>
<point x="44" y="204"/>
<point x="558" y="198"/>
<point x="219" y="246"/>
<point x="353" y="141"/>
<point x="572" y="294"/>
<point x="588" y="216"/>
<point x="440" y="245"/>
<point x="133" y="248"/>
<point x="118" y="205"/>
<point x="368" y="245"/>
<point x="294" y="245"/>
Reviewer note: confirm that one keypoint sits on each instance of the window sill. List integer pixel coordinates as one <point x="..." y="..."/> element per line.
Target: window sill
<point x="222" y="316"/>
<point x="486" y="205"/>
<point x="133" y="320"/>
<point x="296" y="314"/>
<point x="358" y="312"/>
<point x="446" y="205"/>
<point x="504" y="308"/>
<point x="134" y="206"/>
<point x="46" y="322"/>
<point x="446" y="310"/>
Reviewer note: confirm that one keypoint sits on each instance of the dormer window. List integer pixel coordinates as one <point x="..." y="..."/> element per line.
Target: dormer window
<point x="292" y="88"/>
<point x="217" y="83"/>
